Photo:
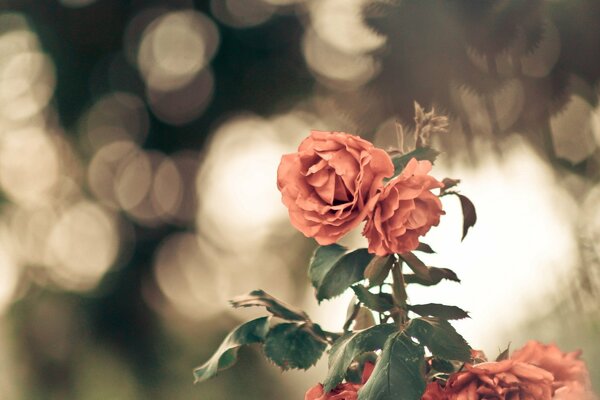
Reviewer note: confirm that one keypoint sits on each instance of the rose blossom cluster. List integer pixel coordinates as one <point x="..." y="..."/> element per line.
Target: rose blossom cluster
<point x="336" y="181"/>
<point x="534" y="372"/>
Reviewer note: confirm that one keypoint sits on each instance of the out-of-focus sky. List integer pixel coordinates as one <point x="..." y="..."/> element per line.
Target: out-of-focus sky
<point x="139" y="143"/>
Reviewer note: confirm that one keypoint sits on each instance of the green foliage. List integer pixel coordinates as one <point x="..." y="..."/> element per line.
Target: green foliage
<point x="400" y="372"/>
<point x="441" y="365"/>
<point x="250" y="332"/>
<point x="356" y="369"/>
<point x="469" y="214"/>
<point x="439" y="310"/>
<point x="364" y="319"/>
<point x="350" y="346"/>
<point x="424" y="275"/>
<point x="440" y="338"/>
<point x="379" y="302"/>
<point x="259" y="298"/>
<point x="504" y="354"/>
<point x="435" y="276"/>
<point x="332" y="269"/>
<point x="418" y="267"/>
<point x="421" y="153"/>
<point x="378" y="269"/>
<point x="425" y="248"/>
<point x="292" y="345"/>
<point x="449" y="183"/>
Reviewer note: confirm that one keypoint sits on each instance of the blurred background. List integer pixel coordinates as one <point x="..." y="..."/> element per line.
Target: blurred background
<point x="139" y="142"/>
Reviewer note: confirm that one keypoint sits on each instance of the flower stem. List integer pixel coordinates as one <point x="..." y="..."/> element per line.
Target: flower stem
<point x="399" y="293"/>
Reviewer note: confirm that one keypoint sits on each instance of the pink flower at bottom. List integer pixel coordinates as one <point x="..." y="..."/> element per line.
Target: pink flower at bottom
<point x="434" y="391"/>
<point x="502" y="380"/>
<point x="343" y="391"/>
<point x="571" y="376"/>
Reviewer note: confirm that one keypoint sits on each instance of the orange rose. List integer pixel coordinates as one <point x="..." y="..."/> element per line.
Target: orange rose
<point x="406" y="210"/>
<point x="331" y="184"/>
<point x="343" y="391"/>
<point x="502" y="380"/>
<point x="571" y="376"/>
<point x="434" y="391"/>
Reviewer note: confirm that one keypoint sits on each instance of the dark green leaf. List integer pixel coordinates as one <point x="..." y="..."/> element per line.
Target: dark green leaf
<point x="253" y="331"/>
<point x="436" y="275"/>
<point x="440" y="338"/>
<point x="351" y="312"/>
<point x="350" y="346"/>
<point x="259" y="298"/>
<point x="323" y="259"/>
<point x="332" y="270"/>
<point x="422" y="153"/>
<point x="504" y="355"/>
<point x="364" y="319"/>
<point x="448" y="184"/>
<point x="441" y="365"/>
<point x="418" y="267"/>
<point x="439" y="310"/>
<point x="400" y="372"/>
<point x="425" y="248"/>
<point x="469" y="214"/>
<point x="355" y="371"/>
<point x="291" y="345"/>
<point x="378" y="269"/>
<point x="379" y="302"/>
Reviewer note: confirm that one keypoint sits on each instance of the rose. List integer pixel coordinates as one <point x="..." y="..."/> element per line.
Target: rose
<point x="571" y="376"/>
<point x="331" y="184"/>
<point x="434" y="391"/>
<point x="502" y="380"/>
<point x="405" y="210"/>
<point x="343" y="391"/>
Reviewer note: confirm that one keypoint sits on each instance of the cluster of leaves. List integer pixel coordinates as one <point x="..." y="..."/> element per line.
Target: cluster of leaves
<point x="411" y="344"/>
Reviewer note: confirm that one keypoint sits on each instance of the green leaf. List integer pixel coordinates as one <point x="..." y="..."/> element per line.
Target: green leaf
<point x="440" y="338"/>
<point x="439" y="310"/>
<point x="332" y="270"/>
<point x="253" y="331"/>
<point x="378" y="269"/>
<point x="400" y="372"/>
<point x="259" y="298"/>
<point x="425" y="248"/>
<point x="364" y="319"/>
<point x="355" y="371"/>
<point x="504" y="354"/>
<point x="291" y="345"/>
<point x="449" y="183"/>
<point x="418" y="267"/>
<point x="436" y="275"/>
<point x="469" y="214"/>
<point x="421" y="153"/>
<point x="441" y="365"/>
<point x="350" y="346"/>
<point x="379" y="302"/>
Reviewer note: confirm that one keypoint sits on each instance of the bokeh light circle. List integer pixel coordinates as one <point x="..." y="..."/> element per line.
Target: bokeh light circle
<point x="175" y="47"/>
